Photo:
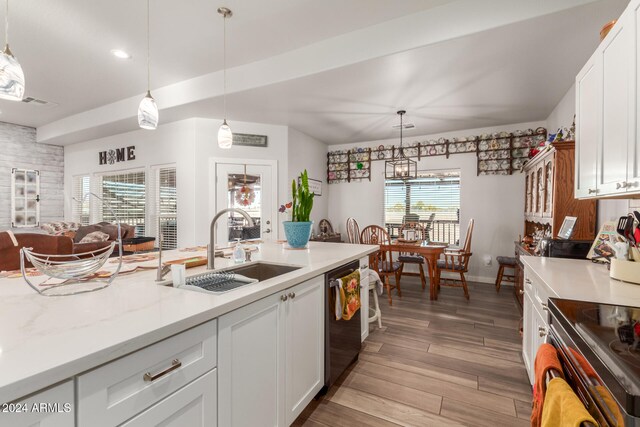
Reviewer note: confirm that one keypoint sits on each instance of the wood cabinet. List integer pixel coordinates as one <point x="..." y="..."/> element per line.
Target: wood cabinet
<point x="549" y="194"/>
<point x="59" y="411"/>
<point x="607" y="126"/>
<point x="271" y="357"/>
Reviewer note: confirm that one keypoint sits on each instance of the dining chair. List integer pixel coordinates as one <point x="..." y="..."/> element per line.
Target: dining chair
<point x="413" y="258"/>
<point x="456" y="261"/>
<point x="353" y="230"/>
<point x="382" y="261"/>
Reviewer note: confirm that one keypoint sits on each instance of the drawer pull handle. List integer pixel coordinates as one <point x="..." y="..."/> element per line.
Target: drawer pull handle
<point x="542" y="331"/>
<point x="528" y="281"/>
<point x="152" y="377"/>
<point x="545" y="307"/>
<point x="292" y="295"/>
<point x="593" y="191"/>
<point x="284" y="297"/>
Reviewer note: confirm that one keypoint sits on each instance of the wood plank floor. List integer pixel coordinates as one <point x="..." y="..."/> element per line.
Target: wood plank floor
<point x="449" y="362"/>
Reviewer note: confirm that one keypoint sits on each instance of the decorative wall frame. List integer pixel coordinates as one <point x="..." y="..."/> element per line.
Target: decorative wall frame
<point x="498" y="153"/>
<point x="25" y="198"/>
<point x="250" y="140"/>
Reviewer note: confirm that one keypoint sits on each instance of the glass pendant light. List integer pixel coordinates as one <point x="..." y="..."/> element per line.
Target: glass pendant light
<point x="225" y="137"/>
<point x="148" y="109"/>
<point x="11" y="75"/>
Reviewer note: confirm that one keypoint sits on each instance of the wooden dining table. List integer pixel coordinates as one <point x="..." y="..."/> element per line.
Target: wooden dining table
<point x="430" y="252"/>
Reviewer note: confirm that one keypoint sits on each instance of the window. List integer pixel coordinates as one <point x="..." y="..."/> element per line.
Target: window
<point x="165" y="206"/>
<point x="124" y="195"/>
<point x="433" y="199"/>
<point x="80" y="206"/>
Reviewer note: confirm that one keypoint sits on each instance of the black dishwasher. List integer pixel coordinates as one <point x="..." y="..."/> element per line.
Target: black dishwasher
<point x="342" y="337"/>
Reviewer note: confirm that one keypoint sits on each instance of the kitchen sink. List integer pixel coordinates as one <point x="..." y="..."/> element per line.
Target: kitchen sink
<point x="261" y="270"/>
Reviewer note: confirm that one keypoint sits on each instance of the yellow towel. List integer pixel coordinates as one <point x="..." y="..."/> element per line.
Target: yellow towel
<point x="562" y="408"/>
<point x="351" y="296"/>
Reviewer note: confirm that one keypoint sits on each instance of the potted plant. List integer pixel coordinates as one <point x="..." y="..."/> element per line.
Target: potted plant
<point x="298" y="230"/>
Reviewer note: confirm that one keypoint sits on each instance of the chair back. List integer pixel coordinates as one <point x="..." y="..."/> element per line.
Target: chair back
<point x="353" y="231"/>
<point x="467" y="239"/>
<point x="376" y="235"/>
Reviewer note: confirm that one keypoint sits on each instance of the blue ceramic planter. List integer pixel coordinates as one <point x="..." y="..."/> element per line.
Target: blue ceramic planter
<point x="297" y="233"/>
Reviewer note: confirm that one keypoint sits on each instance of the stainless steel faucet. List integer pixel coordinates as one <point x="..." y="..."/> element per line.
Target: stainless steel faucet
<point x="211" y="249"/>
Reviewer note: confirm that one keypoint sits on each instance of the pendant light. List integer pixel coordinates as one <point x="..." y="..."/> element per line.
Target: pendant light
<point x="401" y="167"/>
<point x="11" y="75"/>
<point x="148" y="109"/>
<point x="225" y="137"/>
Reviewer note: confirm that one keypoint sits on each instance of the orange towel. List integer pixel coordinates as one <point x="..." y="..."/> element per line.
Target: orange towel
<point x="351" y="296"/>
<point x="562" y="408"/>
<point x="546" y="358"/>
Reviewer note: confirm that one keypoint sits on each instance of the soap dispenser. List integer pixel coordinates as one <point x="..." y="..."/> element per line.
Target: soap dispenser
<point x="238" y="253"/>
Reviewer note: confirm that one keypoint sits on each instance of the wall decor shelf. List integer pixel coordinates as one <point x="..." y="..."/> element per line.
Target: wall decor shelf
<point x="499" y="153"/>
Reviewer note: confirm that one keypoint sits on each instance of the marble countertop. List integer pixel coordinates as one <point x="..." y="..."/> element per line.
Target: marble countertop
<point x="44" y="340"/>
<point x="582" y="280"/>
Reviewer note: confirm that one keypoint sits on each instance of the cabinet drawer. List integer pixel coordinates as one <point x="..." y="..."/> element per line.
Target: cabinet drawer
<point x="193" y="406"/>
<point x="539" y="293"/>
<point x="125" y="387"/>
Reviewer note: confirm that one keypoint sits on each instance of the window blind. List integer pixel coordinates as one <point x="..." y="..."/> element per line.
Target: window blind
<point x="165" y="203"/>
<point x="432" y="198"/>
<point x="80" y="207"/>
<point x="125" y="194"/>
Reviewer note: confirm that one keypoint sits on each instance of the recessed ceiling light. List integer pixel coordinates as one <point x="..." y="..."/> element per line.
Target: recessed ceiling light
<point x="120" y="54"/>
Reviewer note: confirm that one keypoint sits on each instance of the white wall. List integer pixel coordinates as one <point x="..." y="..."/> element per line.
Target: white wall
<point x="20" y="150"/>
<point x="308" y="153"/>
<point x="495" y="202"/>
<point x="562" y="116"/>
<point x="190" y="144"/>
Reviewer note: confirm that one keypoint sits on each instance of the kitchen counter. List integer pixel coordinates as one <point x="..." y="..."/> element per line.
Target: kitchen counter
<point x="44" y="340"/>
<point x="581" y="280"/>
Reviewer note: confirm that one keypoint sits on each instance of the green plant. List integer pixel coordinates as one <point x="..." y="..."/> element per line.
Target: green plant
<point x="302" y="202"/>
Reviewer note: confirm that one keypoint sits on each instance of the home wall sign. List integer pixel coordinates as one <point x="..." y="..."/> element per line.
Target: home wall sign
<point x="315" y="186"/>
<point x="249" y="140"/>
<point x="117" y="155"/>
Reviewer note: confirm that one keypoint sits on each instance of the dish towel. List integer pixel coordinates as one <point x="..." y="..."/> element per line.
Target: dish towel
<point x="350" y="294"/>
<point x="546" y="358"/>
<point x="562" y="408"/>
<point x="374" y="277"/>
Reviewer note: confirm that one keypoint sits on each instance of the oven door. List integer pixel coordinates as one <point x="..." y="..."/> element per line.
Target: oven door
<point x="586" y="383"/>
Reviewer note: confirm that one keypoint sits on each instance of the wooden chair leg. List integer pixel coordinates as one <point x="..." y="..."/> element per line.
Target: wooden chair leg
<point x="387" y="283"/>
<point x="398" y="283"/>
<point x="499" y="278"/>
<point x="464" y="285"/>
<point x="422" y="278"/>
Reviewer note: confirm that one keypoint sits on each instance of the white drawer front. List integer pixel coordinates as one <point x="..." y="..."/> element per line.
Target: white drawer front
<point x="192" y="406"/>
<point x="117" y="391"/>
<point x="58" y="409"/>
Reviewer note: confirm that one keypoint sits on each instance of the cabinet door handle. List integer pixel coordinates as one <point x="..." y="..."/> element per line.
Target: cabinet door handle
<point x="175" y="364"/>
<point x="593" y="191"/>
<point x="521" y="291"/>
<point x="542" y="331"/>
<point x="545" y="307"/>
<point x="292" y="295"/>
<point x="284" y="298"/>
<point x="622" y="184"/>
<point x="527" y="281"/>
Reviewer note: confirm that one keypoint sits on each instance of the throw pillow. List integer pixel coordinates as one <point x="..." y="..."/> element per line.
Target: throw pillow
<point x="95" y="236"/>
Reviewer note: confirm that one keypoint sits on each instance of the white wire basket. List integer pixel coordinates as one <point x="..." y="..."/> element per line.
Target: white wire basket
<point x="75" y="273"/>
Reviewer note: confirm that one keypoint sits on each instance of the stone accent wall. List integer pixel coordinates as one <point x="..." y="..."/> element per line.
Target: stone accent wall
<point x="19" y="149"/>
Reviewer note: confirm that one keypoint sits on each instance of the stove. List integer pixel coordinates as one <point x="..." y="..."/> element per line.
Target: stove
<point x="601" y="342"/>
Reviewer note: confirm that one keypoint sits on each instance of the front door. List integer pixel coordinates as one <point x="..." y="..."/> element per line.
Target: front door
<point x="249" y="187"/>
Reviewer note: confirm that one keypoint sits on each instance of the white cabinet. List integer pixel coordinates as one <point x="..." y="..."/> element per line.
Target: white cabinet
<point x="535" y="321"/>
<point x="58" y="409"/>
<point x="124" y="388"/>
<point x="364" y="298"/>
<point x="607" y="126"/>
<point x="271" y="357"/>
<point x="193" y="405"/>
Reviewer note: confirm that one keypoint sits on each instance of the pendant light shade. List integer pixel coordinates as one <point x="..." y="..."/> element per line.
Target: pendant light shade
<point x="148" y="114"/>
<point x="11" y="75"/>
<point x="225" y="137"/>
<point x="400" y="167"/>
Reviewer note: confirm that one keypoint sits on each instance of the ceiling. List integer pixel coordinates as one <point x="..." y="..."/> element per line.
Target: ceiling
<point x="448" y="73"/>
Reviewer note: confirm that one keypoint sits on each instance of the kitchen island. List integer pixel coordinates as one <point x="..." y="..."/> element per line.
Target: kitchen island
<point x="48" y="340"/>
